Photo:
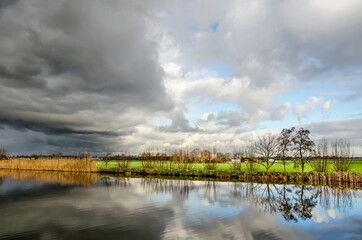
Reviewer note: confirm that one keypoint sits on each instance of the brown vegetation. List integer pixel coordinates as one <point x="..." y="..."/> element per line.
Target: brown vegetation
<point x="65" y="178"/>
<point x="61" y="164"/>
<point x="3" y="154"/>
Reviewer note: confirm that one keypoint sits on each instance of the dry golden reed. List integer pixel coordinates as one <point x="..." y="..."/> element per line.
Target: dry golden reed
<point x="64" y="178"/>
<point x="48" y="164"/>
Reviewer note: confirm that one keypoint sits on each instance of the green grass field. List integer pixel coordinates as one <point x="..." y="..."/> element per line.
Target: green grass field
<point x="356" y="166"/>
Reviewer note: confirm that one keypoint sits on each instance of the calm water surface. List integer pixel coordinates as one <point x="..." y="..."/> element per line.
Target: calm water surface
<point x="85" y="206"/>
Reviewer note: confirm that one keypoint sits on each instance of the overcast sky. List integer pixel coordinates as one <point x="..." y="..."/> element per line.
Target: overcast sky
<point x="129" y="76"/>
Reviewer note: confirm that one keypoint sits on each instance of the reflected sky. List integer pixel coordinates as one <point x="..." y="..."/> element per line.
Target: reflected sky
<point x="132" y="208"/>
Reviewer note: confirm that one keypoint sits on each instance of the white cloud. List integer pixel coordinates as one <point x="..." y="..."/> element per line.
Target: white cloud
<point x="164" y="62"/>
<point x="327" y="105"/>
<point x="302" y="109"/>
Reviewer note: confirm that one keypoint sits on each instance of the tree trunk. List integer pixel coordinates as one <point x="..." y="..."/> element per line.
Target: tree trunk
<point x="284" y="164"/>
<point x="301" y="159"/>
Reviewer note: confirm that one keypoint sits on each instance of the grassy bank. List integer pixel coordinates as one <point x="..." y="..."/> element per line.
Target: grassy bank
<point x="262" y="177"/>
<point x="226" y="171"/>
<point x="356" y="166"/>
<point x="48" y="164"/>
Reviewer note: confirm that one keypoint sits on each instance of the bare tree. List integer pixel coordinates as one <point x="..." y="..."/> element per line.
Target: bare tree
<point x="209" y="160"/>
<point x="284" y="143"/>
<point x="342" y="156"/>
<point x="107" y="158"/>
<point x="267" y="147"/>
<point x="302" y="145"/>
<point x="83" y="154"/>
<point x="320" y="162"/>
<point x="3" y="154"/>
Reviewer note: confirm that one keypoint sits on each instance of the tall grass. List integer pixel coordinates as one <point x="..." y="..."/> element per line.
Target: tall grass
<point x="47" y="164"/>
<point x="64" y="178"/>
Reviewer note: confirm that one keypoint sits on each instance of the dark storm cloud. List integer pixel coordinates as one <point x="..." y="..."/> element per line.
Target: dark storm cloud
<point x="6" y="3"/>
<point x="78" y="67"/>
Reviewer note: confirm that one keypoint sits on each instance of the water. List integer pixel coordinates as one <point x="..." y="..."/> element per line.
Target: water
<point x="86" y="206"/>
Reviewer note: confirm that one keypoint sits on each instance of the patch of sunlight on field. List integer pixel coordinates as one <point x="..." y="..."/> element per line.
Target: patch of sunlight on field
<point x="356" y="166"/>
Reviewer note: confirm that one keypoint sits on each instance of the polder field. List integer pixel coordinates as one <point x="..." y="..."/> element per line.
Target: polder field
<point x="356" y="166"/>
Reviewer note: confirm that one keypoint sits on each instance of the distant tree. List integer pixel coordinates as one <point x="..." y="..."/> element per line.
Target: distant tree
<point x="83" y="154"/>
<point x="302" y="145"/>
<point x="285" y="143"/>
<point x="3" y="154"/>
<point x="57" y="155"/>
<point x="267" y="148"/>
<point x="320" y="162"/>
<point x="342" y="156"/>
<point x="107" y="158"/>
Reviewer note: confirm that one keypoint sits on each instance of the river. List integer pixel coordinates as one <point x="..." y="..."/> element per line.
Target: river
<point x="36" y="205"/>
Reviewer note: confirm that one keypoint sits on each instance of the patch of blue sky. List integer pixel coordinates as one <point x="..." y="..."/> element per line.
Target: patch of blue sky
<point x="329" y="92"/>
<point x="309" y="61"/>
<point x="278" y="124"/>
<point x="214" y="27"/>
<point x="222" y="70"/>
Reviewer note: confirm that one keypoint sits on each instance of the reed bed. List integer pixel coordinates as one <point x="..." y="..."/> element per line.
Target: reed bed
<point x="48" y="164"/>
<point x="64" y="178"/>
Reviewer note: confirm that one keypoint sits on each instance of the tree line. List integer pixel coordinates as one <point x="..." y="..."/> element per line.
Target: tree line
<point x="290" y="145"/>
<point x="296" y="145"/>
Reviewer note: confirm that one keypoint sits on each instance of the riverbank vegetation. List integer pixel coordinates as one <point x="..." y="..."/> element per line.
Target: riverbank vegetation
<point x="58" y="177"/>
<point x="289" y="156"/>
<point x="85" y="164"/>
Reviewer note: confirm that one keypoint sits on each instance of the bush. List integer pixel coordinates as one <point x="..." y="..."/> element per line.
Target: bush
<point x="3" y="154"/>
<point x="235" y="166"/>
<point x="251" y="166"/>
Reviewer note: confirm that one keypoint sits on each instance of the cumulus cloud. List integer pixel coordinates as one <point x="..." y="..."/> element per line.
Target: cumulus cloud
<point x="279" y="112"/>
<point x="96" y="73"/>
<point x="302" y="109"/>
<point x="327" y="105"/>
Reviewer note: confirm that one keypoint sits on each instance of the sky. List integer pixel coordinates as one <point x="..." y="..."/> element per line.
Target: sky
<point x="132" y="76"/>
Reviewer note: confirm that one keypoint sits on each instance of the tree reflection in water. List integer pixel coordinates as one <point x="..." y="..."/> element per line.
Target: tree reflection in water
<point x="122" y="182"/>
<point x="293" y="202"/>
<point x="305" y="200"/>
<point x="183" y="187"/>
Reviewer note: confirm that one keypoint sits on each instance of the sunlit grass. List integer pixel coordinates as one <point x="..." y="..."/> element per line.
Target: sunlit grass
<point x="61" y="164"/>
<point x="356" y="166"/>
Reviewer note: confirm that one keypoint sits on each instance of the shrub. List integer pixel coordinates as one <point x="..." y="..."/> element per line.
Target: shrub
<point x="3" y="154"/>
